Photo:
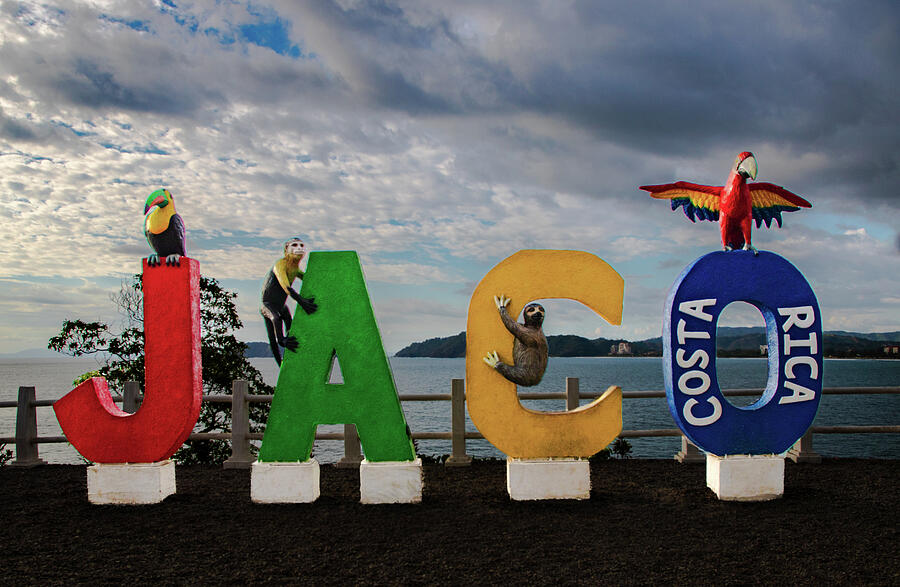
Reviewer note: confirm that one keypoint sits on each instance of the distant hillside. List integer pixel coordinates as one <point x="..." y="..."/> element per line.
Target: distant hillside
<point x="877" y="336"/>
<point x="838" y="343"/>
<point x="730" y="342"/>
<point x="561" y="345"/>
<point x="854" y="344"/>
<point x="257" y="349"/>
<point x="34" y="354"/>
<point x="443" y="348"/>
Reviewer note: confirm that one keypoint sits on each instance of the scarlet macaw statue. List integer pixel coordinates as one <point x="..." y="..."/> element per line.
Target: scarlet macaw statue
<point x="735" y="205"/>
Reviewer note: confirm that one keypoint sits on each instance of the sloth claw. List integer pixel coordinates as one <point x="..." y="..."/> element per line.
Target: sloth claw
<point x="492" y="359"/>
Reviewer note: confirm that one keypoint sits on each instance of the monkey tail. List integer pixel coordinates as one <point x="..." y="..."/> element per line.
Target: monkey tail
<point x="273" y="342"/>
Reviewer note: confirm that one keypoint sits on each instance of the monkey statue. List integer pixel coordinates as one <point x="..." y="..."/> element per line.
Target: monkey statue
<point x="530" y="349"/>
<point x="276" y="289"/>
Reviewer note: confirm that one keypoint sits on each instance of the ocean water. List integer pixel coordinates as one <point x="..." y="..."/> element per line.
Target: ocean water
<point x="52" y="379"/>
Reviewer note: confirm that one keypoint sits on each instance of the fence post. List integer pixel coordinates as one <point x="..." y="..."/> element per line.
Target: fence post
<point x="26" y="430"/>
<point x="352" y="453"/>
<point x="689" y="453"/>
<point x="130" y="401"/>
<point x="802" y="451"/>
<point x="458" y="456"/>
<point x="241" y="457"/>
<point x="572" y="393"/>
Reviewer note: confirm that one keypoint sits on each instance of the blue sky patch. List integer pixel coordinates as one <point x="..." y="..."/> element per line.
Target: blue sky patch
<point x="270" y="31"/>
<point x="272" y="34"/>
<point x="137" y="25"/>
<point x="78" y="133"/>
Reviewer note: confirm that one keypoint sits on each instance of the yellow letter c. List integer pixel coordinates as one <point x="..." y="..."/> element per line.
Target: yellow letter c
<point x="493" y="401"/>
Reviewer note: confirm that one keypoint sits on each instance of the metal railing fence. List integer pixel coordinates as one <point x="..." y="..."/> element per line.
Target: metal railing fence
<point x="26" y="437"/>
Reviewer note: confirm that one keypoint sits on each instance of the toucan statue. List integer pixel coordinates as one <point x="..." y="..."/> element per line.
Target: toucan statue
<point x="163" y="228"/>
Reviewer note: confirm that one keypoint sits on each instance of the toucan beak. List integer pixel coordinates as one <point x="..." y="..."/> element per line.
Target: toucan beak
<point x="748" y="167"/>
<point x="156" y="202"/>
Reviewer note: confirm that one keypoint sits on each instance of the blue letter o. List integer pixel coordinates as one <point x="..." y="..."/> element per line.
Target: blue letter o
<point x="794" y="331"/>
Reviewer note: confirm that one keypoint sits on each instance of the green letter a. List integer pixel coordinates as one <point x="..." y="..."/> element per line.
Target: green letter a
<point x="343" y="327"/>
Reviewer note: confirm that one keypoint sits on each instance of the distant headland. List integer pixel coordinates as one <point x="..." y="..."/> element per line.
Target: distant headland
<point x="731" y="342"/>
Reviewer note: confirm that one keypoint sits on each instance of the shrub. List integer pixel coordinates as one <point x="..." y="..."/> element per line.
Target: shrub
<point x="621" y="448"/>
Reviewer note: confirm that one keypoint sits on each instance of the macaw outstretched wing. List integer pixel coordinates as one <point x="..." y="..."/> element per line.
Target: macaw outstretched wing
<point x="700" y="201"/>
<point x="770" y="200"/>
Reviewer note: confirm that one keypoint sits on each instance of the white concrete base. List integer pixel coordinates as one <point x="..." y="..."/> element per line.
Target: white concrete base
<point x="130" y="483"/>
<point x="745" y="477"/>
<point x="390" y="481"/>
<point x="528" y="479"/>
<point x="284" y="482"/>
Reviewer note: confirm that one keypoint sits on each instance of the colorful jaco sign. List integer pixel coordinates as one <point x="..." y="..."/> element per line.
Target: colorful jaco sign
<point x="173" y="387"/>
<point x="794" y="331"/>
<point x="492" y="400"/>
<point x="342" y="328"/>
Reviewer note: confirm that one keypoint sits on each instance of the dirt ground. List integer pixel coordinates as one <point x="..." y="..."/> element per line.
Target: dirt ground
<point x="647" y="521"/>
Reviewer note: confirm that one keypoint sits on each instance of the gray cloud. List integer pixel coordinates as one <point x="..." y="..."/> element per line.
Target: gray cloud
<point x="437" y="138"/>
<point x="16" y="131"/>
<point x="669" y="81"/>
<point x="92" y="84"/>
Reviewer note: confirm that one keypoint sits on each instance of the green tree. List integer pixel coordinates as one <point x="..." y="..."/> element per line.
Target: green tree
<point x="621" y="448"/>
<point x="122" y="359"/>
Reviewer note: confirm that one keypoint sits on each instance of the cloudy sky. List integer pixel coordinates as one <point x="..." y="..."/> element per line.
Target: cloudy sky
<point x="437" y="138"/>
